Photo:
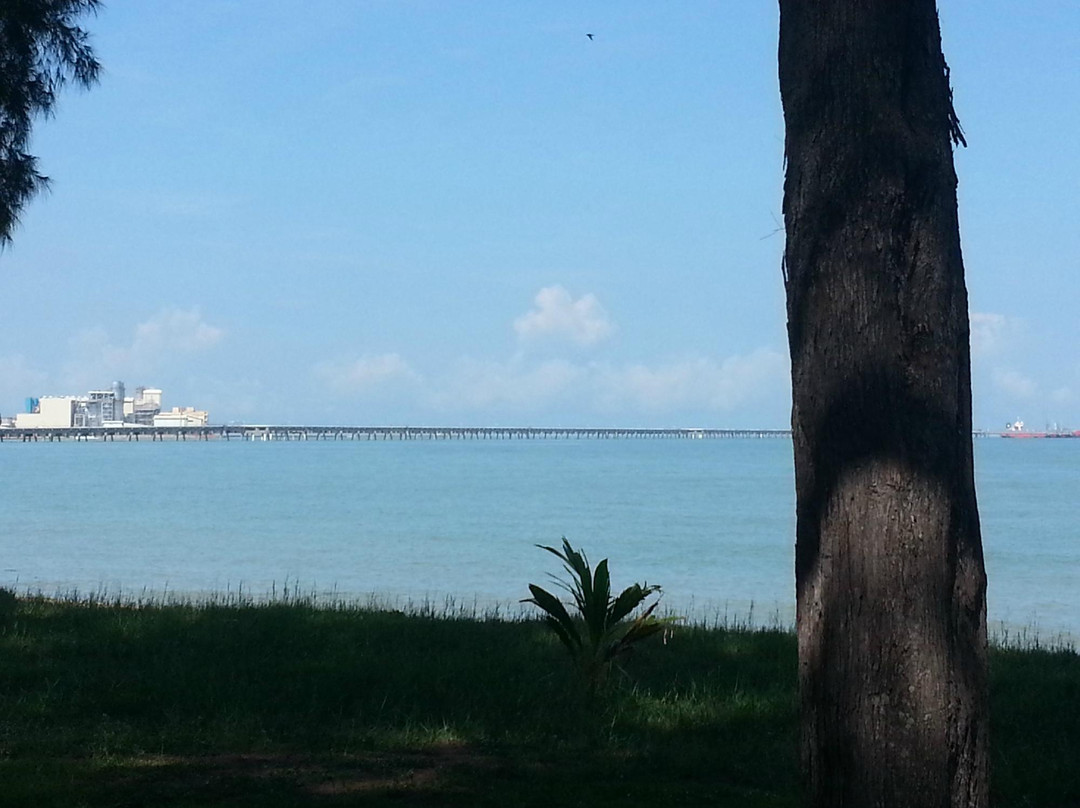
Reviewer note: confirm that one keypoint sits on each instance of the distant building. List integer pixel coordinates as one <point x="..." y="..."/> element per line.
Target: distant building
<point x="186" y="416"/>
<point x="109" y="407"/>
<point x="48" y="412"/>
<point x="100" y="407"/>
<point x="142" y="408"/>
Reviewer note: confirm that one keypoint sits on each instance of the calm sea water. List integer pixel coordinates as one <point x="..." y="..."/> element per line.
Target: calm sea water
<point x="710" y="520"/>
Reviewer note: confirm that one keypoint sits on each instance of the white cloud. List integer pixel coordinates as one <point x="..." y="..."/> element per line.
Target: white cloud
<point x="557" y="314"/>
<point x="366" y="374"/>
<point x="18" y="380"/>
<point x="174" y="330"/>
<point x="1014" y="383"/>
<point x="697" y="383"/>
<point x="474" y="384"/>
<point x="1063" y="395"/>
<point x="170" y="333"/>
<point x="992" y="334"/>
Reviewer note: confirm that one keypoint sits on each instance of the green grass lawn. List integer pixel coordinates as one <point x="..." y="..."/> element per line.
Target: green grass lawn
<point x="291" y="705"/>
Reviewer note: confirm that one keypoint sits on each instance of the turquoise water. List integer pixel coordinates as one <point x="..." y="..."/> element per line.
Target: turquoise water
<point x="710" y="520"/>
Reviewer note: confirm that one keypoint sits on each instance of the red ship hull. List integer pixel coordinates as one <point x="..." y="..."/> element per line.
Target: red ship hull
<point x="1075" y="434"/>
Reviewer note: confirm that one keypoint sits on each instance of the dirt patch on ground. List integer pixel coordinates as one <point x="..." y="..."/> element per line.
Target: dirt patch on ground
<point x="306" y="776"/>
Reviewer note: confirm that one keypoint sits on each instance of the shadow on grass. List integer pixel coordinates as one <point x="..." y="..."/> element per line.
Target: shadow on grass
<point x="461" y="777"/>
<point x="1035" y="727"/>
<point x="290" y="705"/>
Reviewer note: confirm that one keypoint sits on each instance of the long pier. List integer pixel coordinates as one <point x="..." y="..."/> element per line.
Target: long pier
<point x="262" y="432"/>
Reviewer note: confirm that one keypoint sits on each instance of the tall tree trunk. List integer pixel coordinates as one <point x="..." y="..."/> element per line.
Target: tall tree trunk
<point x="889" y="567"/>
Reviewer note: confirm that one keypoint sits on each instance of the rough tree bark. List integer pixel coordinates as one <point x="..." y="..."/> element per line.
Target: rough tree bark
<point x="889" y="567"/>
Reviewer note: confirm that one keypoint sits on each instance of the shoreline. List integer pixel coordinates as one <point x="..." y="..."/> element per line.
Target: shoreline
<point x="714" y="616"/>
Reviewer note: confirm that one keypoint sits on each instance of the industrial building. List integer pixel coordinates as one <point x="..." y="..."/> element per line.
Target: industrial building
<point x="181" y="416"/>
<point x="106" y="407"/>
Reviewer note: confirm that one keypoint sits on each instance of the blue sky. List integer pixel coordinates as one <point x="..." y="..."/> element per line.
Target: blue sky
<point x="423" y="212"/>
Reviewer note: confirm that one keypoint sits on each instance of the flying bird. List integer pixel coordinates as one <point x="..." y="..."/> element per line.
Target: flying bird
<point x="590" y="36"/>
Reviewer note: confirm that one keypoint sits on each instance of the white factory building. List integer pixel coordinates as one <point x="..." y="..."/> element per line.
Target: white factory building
<point x="109" y="407"/>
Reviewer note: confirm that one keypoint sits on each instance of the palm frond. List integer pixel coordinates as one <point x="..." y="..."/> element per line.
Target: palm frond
<point x="600" y="631"/>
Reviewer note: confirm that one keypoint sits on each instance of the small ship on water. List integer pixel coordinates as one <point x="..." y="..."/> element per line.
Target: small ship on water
<point x="1016" y="430"/>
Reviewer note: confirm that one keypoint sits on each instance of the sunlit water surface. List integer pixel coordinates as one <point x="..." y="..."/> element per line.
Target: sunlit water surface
<point x="712" y="521"/>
